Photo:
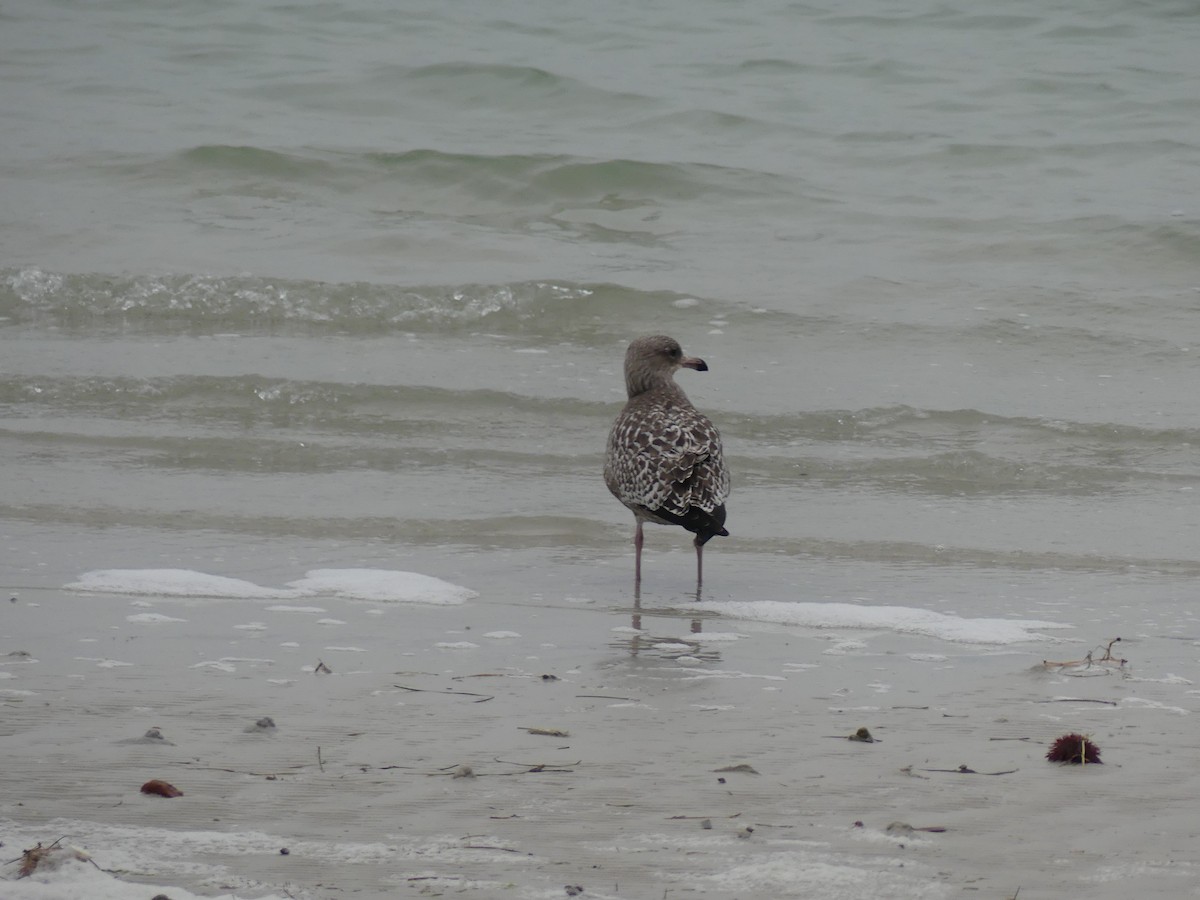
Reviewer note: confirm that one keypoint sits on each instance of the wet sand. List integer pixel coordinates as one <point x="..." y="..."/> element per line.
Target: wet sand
<point x="499" y="749"/>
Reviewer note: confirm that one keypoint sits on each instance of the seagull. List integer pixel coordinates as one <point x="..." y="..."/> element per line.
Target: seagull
<point x="664" y="459"/>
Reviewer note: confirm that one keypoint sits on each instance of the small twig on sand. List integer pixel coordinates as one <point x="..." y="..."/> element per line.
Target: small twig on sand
<point x="606" y="697"/>
<point x="963" y="770"/>
<point x="485" y="697"/>
<point x="538" y="766"/>
<point x="320" y="764"/>
<point x="241" y="771"/>
<point x="490" y="847"/>
<point x="526" y="769"/>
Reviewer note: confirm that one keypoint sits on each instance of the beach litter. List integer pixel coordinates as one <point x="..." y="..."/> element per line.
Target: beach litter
<point x="1089" y="665"/>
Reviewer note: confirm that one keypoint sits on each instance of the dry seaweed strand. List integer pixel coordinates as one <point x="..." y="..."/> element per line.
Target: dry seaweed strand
<point x="35" y="856"/>
<point x="455" y="770"/>
<point x="743" y="768"/>
<point x="862" y="735"/>
<point x="267" y="775"/>
<point x="545" y="732"/>
<point x="32" y="858"/>
<point x="964" y="770"/>
<point x="541" y="767"/>
<point x="484" y="697"/>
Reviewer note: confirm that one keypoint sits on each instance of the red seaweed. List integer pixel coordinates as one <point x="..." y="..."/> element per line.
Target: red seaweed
<point x="1073" y="748"/>
<point x="161" y="788"/>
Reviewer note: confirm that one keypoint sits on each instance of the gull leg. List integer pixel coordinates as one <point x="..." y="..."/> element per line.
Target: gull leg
<point x="699" y="567"/>
<point x="638" y="540"/>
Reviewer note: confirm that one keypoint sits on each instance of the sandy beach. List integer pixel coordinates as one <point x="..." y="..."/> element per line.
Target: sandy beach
<point x="464" y="745"/>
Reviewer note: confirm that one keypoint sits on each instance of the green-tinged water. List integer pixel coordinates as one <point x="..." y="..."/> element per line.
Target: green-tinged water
<point x="475" y="417"/>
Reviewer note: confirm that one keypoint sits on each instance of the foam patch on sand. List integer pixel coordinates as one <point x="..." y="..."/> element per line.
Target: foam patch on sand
<point x="900" y="619"/>
<point x="172" y="583"/>
<point x="382" y="585"/>
<point x="163" y="855"/>
<point x="379" y="585"/>
<point x="73" y="880"/>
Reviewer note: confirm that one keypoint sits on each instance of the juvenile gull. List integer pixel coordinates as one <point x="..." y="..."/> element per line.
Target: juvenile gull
<point x="664" y="459"/>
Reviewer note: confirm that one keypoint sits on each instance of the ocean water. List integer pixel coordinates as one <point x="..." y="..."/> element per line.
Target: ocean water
<point x="347" y="284"/>
<point x="337" y="279"/>
<point x="350" y="282"/>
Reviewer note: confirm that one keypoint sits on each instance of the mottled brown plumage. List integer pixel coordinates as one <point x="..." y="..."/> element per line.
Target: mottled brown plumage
<point x="664" y="459"/>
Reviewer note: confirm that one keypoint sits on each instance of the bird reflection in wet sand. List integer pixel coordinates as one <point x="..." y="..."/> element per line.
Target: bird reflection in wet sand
<point x="664" y="458"/>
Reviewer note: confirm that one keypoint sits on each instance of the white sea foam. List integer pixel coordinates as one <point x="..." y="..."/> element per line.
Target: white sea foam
<point x="170" y="855"/>
<point x="103" y="663"/>
<point x="151" y="618"/>
<point x="900" y="619"/>
<point x="810" y="872"/>
<point x="381" y="585"/>
<point x="75" y="879"/>
<point x="1144" y="703"/>
<point x="172" y="583"/>
<point x="219" y="665"/>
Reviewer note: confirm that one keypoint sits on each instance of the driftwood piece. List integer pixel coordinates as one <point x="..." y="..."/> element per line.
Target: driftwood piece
<point x="1088" y="664"/>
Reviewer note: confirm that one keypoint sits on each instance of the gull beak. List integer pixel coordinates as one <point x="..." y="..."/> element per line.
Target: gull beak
<point x="691" y="362"/>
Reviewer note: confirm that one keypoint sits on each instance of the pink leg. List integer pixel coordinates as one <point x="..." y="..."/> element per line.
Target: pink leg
<point x="638" y="540"/>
